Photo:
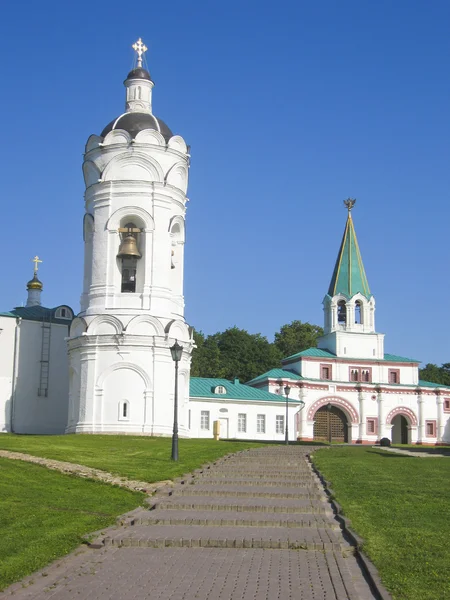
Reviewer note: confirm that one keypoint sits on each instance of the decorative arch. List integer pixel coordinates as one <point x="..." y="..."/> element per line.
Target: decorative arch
<point x="93" y="142"/>
<point x="136" y="166"/>
<point x="177" y="330"/>
<point x="177" y="176"/>
<point x="144" y="325"/>
<point x="131" y="212"/>
<point x="117" y="136"/>
<point x="148" y="136"/>
<point x="123" y="365"/>
<point x="91" y="173"/>
<point x="176" y="142"/>
<point x="405" y="412"/>
<point x="78" y="327"/>
<point x="341" y="403"/>
<point x="177" y="232"/>
<point x="105" y="325"/>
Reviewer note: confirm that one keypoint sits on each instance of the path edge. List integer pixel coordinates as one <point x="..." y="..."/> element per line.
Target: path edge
<point x="370" y="570"/>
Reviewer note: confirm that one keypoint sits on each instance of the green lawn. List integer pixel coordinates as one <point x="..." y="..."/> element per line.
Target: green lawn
<point x="136" y="457"/>
<point x="400" y="506"/>
<point x="44" y="514"/>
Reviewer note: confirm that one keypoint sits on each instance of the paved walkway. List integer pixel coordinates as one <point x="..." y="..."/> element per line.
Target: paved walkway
<point x="253" y="526"/>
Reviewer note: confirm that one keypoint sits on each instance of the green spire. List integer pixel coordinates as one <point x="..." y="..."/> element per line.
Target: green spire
<point x="349" y="276"/>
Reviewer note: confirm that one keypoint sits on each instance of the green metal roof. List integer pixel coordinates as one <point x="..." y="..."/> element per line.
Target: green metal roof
<point x="37" y="313"/>
<point x="276" y="374"/>
<point x="431" y="384"/>
<point x="320" y="353"/>
<point x="349" y="276"/>
<point x="203" y="387"/>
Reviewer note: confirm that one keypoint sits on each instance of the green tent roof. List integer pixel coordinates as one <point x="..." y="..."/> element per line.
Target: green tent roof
<point x="349" y="276"/>
<point x="203" y="387"/>
<point x="276" y="374"/>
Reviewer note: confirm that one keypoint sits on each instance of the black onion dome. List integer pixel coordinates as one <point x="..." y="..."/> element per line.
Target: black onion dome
<point x="139" y="73"/>
<point x="134" y="122"/>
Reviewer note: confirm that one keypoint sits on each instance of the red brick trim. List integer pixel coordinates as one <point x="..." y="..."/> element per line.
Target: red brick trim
<point x="395" y="372"/>
<point x="402" y="410"/>
<point x="433" y="424"/>
<point x="446" y="405"/>
<point x="328" y="366"/>
<point x="335" y="401"/>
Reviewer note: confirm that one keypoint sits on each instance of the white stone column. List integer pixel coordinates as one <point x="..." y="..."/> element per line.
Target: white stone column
<point x="440" y="418"/>
<point x="381" y="426"/>
<point x="361" y="428"/>
<point x="420" y="412"/>
<point x="86" y="419"/>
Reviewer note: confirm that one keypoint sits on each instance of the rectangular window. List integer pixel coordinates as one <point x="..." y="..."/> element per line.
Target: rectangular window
<point x="447" y="405"/>
<point x="430" y="428"/>
<point x="261" y="424"/>
<point x="394" y="375"/>
<point x="242" y="423"/>
<point x="325" y="372"/>
<point x="363" y="374"/>
<point x="204" y="419"/>
<point x="279" y="424"/>
<point x="371" y="426"/>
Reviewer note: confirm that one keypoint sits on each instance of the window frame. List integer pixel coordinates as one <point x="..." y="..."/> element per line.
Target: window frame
<point x="279" y="429"/>
<point x="261" y="419"/>
<point x="395" y="372"/>
<point x="373" y="421"/>
<point x="445" y="408"/>
<point x="242" y="417"/>
<point x="329" y="367"/>
<point x="359" y="372"/>
<point x="205" y="414"/>
<point x="124" y="404"/>
<point x="433" y="424"/>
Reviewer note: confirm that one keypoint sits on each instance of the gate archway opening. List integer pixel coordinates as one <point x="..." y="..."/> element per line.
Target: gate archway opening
<point x="331" y="424"/>
<point x="400" y="430"/>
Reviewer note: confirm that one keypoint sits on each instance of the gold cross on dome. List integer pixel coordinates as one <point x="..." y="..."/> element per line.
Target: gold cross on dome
<point x="36" y="260"/>
<point x="140" y="48"/>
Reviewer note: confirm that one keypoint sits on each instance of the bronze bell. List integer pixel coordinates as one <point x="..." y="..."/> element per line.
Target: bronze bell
<point x="128" y="248"/>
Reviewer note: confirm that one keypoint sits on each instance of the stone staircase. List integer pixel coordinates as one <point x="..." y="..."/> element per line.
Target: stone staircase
<point x="263" y="498"/>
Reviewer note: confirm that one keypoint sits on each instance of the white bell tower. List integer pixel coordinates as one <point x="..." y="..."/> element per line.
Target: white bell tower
<point x="132" y="305"/>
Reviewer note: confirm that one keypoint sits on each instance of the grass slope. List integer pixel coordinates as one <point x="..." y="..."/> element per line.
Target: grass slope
<point x="400" y="506"/>
<point x="135" y="457"/>
<point x="44" y="514"/>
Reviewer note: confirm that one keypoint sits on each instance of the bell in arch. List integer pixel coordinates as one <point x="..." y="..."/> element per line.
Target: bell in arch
<point x="128" y="247"/>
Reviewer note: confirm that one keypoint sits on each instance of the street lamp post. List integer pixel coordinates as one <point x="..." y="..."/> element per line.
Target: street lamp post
<point x="176" y="351"/>
<point x="287" y="390"/>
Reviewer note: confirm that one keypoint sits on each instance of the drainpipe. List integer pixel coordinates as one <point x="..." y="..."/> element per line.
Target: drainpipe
<point x="13" y="383"/>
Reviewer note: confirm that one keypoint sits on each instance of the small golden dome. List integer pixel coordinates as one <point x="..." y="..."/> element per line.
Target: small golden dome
<point x="34" y="284"/>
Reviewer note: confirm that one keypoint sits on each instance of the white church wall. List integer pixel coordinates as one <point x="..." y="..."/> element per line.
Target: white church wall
<point x="7" y="335"/>
<point x="228" y="411"/>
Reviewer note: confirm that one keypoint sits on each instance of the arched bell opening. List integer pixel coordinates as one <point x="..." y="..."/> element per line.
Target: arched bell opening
<point x="342" y="312"/>
<point x="401" y="430"/>
<point x="331" y="424"/>
<point x="359" y="318"/>
<point x="128" y="256"/>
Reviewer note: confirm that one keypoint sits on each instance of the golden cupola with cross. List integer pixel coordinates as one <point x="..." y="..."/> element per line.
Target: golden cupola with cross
<point x="349" y="306"/>
<point x="34" y="286"/>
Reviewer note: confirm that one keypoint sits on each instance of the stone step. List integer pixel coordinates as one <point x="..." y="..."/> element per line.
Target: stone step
<point x="273" y="505"/>
<point x="265" y="472"/>
<point x="241" y="492"/>
<point x="256" y="482"/>
<point x="194" y="536"/>
<point x="229" y="519"/>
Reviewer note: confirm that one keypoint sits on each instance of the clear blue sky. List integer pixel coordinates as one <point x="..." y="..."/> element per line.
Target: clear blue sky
<point x="290" y="107"/>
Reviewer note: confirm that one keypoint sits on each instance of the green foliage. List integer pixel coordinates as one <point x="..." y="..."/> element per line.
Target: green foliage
<point x="399" y="505"/>
<point x="297" y="336"/>
<point x="44" y="515"/>
<point x="436" y="374"/>
<point x="236" y="353"/>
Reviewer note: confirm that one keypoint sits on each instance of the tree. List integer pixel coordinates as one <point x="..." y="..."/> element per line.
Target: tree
<point x="297" y="336"/>
<point x="432" y="372"/>
<point x="205" y="357"/>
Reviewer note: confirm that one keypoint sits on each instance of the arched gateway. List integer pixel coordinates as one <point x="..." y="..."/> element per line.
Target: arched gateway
<point x="330" y="424"/>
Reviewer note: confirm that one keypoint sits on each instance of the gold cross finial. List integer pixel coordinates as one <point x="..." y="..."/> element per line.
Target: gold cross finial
<point x="36" y="261"/>
<point x="350" y="203"/>
<point x="140" y="48"/>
